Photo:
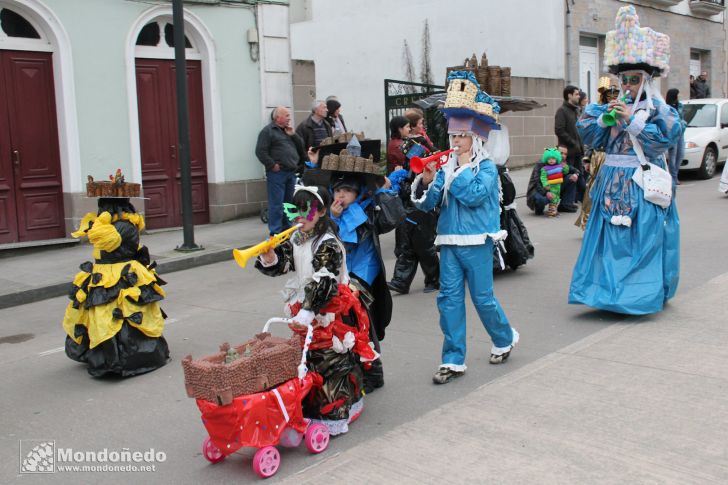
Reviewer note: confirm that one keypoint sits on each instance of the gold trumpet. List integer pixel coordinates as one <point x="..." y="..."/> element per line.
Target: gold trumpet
<point x="243" y="255"/>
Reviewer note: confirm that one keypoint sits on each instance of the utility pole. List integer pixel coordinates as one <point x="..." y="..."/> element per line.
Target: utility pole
<point x="183" y="128"/>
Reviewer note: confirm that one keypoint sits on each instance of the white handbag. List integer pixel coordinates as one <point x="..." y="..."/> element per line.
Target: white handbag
<point x="655" y="181"/>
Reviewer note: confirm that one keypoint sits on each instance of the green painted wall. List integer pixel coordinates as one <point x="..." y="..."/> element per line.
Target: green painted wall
<point x="98" y="30"/>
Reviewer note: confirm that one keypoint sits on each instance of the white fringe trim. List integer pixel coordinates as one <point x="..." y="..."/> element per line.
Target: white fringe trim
<point x="323" y="273"/>
<point x="469" y="239"/>
<point x="341" y="426"/>
<point x="455" y="367"/>
<point x="413" y="190"/>
<point x="502" y="350"/>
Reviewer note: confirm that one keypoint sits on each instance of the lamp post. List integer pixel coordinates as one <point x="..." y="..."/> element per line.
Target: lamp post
<point x="183" y="128"/>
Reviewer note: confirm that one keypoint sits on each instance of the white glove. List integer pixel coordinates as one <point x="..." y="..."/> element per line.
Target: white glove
<point x="304" y="317"/>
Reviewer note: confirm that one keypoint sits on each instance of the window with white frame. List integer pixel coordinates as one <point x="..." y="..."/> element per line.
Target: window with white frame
<point x="156" y="40"/>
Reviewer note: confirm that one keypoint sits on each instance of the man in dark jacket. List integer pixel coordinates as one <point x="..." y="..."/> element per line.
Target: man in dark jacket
<point x="281" y="151"/>
<point x="315" y="128"/>
<point x="702" y="88"/>
<point x="565" y="130"/>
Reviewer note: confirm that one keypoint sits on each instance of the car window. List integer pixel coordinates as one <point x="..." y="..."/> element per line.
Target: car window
<point x="700" y="115"/>
<point x="724" y="115"/>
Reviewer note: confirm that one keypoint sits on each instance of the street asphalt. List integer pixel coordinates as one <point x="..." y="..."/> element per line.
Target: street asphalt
<point x="587" y="396"/>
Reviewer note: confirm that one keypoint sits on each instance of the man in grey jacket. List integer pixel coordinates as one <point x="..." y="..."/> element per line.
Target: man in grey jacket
<point x="281" y="151"/>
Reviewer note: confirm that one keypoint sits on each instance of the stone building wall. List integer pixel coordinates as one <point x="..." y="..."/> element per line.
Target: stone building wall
<point x="687" y="29"/>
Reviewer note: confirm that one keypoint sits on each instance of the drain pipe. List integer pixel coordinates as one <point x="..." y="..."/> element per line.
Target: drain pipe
<point x="567" y="36"/>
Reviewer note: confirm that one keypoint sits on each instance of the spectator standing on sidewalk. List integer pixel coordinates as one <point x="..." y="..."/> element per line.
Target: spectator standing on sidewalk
<point x="281" y="151"/>
<point x="399" y="129"/>
<point x="334" y="118"/>
<point x="702" y="87"/>
<point x="315" y="128"/>
<point x="568" y="136"/>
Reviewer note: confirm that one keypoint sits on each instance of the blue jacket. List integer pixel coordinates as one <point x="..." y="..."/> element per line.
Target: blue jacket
<point x="470" y="210"/>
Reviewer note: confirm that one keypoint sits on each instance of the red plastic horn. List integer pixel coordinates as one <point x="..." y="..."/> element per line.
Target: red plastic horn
<point x="417" y="164"/>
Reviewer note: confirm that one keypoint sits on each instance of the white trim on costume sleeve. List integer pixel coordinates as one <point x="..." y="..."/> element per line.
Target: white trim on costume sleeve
<point x="413" y="190"/>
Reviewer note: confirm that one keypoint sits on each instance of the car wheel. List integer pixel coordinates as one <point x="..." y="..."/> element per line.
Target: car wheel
<point x="710" y="161"/>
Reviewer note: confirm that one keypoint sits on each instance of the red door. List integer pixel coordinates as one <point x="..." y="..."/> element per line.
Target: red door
<point x="31" y="192"/>
<point x="156" y="92"/>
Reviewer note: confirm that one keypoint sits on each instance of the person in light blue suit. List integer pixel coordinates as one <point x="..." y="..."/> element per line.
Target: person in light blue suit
<point x="630" y="256"/>
<point x="466" y="191"/>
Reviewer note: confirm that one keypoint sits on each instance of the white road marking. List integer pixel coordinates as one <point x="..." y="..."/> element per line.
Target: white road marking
<point x="49" y="352"/>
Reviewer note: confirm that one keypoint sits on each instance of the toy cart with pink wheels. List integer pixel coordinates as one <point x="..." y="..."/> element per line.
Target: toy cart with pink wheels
<point x="264" y="420"/>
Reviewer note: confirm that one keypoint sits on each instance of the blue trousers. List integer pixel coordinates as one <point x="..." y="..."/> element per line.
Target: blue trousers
<point x="280" y="189"/>
<point x="473" y="264"/>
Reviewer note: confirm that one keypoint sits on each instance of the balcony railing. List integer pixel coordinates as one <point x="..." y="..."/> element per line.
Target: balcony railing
<point x="707" y="7"/>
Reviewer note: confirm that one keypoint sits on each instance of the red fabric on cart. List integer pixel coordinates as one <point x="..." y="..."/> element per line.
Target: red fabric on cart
<point x="256" y="420"/>
<point x="344" y="303"/>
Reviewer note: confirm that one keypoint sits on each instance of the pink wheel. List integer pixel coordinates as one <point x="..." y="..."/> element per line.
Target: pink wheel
<point x="317" y="438"/>
<point x="211" y="452"/>
<point x="266" y="461"/>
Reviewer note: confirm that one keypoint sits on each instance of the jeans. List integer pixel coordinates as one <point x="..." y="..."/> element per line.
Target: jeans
<point x="280" y="189"/>
<point x="568" y="189"/>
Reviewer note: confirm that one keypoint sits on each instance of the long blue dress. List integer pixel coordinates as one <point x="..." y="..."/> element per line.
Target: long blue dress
<point x="632" y="266"/>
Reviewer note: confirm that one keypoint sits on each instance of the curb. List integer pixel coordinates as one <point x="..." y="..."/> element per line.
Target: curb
<point x="40" y="293"/>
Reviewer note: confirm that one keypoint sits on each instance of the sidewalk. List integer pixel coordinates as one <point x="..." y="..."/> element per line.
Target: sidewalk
<point x="644" y="401"/>
<point x="47" y="273"/>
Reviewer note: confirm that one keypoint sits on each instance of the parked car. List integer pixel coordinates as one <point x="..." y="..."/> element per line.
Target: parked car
<point x="706" y="135"/>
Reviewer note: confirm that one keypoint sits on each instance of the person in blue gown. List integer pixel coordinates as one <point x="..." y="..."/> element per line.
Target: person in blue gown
<point x="630" y="256"/>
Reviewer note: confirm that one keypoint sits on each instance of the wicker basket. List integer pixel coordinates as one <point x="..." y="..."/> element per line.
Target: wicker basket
<point x="494" y="81"/>
<point x="133" y="190"/>
<point x="264" y="362"/>
<point x="505" y="81"/>
<point x="108" y="189"/>
<point x="359" y="164"/>
<point x="461" y="94"/>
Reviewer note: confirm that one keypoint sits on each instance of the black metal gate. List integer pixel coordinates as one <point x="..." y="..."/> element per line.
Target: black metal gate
<point x="400" y="95"/>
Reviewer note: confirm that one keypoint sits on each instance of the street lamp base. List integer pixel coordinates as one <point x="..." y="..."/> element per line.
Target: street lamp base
<point x="185" y="248"/>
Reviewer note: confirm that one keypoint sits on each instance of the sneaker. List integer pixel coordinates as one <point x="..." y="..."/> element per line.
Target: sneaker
<point x="431" y="288"/>
<point x="568" y="208"/>
<point x="445" y="374"/>
<point x="499" y="359"/>
<point x="397" y="289"/>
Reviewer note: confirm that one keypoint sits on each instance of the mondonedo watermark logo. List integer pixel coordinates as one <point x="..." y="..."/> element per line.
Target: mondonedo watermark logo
<point x="43" y="456"/>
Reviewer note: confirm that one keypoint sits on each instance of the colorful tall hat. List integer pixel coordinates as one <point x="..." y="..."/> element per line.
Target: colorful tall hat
<point x="631" y="47"/>
<point x="605" y="83"/>
<point x="467" y="108"/>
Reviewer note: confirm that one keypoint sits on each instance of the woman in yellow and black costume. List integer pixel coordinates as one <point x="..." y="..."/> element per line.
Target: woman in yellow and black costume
<point x="114" y="321"/>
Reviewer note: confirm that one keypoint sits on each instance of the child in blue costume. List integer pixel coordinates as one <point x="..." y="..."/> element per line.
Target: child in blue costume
<point x="630" y="256"/>
<point x="466" y="190"/>
<point x="361" y="217"/>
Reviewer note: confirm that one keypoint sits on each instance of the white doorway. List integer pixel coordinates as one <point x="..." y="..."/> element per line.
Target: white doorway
<point x="589" y="66"/>
<point x="695" y="64"/>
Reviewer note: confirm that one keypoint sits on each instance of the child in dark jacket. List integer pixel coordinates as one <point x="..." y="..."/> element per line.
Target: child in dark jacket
<point x="361" y="216"/>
